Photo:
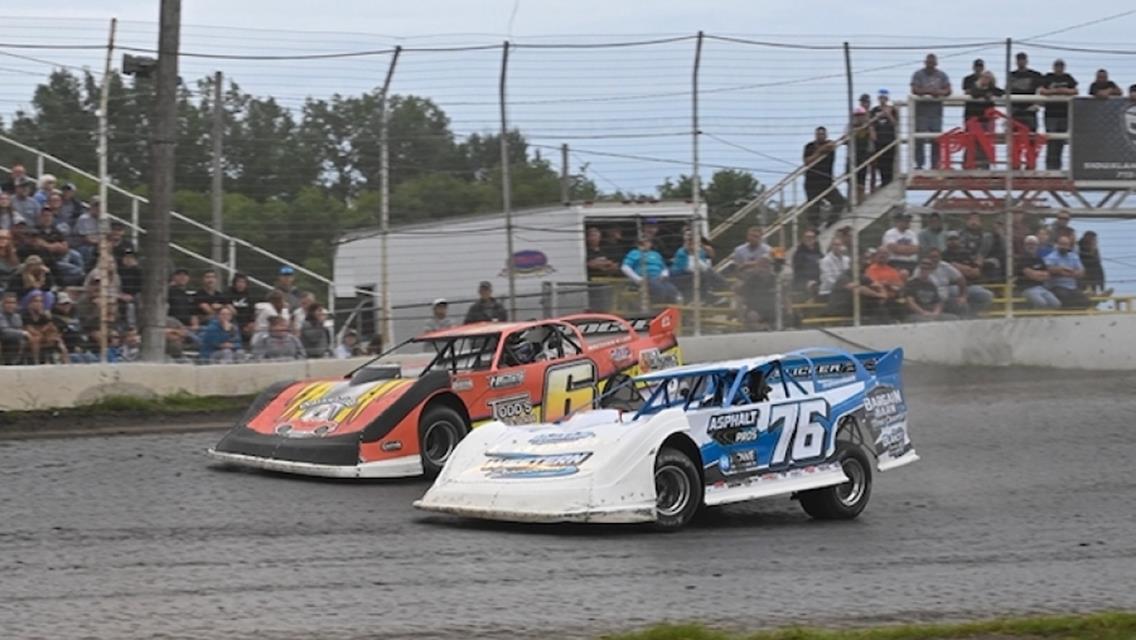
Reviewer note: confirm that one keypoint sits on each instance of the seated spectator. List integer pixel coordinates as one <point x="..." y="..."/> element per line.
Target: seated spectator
<point x="1102" y="87"/>
<point x="644" y="264"/>
<point x="46" y="188"/>
<point x="209" y="299"/>
<point x="178" y="339"/>
<point x="131" y="345"/>
<point x="13" y="338"/>
<point x="8" y="215"/>
<point x="181" y="300"/>
<point x="349" y="345"/>
<point x="118" y="242"/>
<point x="130" y="288"/>
<point x="1020" y="228"/>
<point x="682" y="274"/>
<point x="978" y="298"/>
<point x="240" y="298"/>
<point x="753" y="249"/>
<point x="1044" y="242"/>
<point x="277" y="343"/>
<point x="1065" y="271"/>
<point x="71" y="207"/>
<point x="757" y="293"/>
<point x="300" y="313"/>
<point x="9" y="259"/>
<point x="65" y="315"/>
<point x="374" y="346"/>
<point x="1061" y="225"/>
<point x="272" y="307"/>
<point x="90" y="304"/>
<point x="85" y="234"/>
<point x="22" y="201"/>
<point x="886" y="285"/>
<point x="1032" y="278"/>
<point x="314" y="334"/>
<point x="901" y="243"/>
<point x="952" y="285"/>
<point x="221" y="338"/>
<point x="48" y="240"/>
<point x="833" y="266"/>
<point x="982" y="247"/>
<point x="43" y="336"/>
<point x="1089" y="253"/>
<point x="922" y="296"/>
<point x="33" y="275"/>
<point x="933" y="236"/>
<point x="806" y="264"/>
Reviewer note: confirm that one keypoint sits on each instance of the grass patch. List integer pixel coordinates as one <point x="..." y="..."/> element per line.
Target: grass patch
<point x="1097" y="626"/>
<point x="172" y="404"/>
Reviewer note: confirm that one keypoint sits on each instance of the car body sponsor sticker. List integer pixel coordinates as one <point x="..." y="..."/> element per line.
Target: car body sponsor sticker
<point x="516" y="409"/>
<point x="502" y="380"/>
<point x="525" y="465"/>
<point x="559" y="437"/>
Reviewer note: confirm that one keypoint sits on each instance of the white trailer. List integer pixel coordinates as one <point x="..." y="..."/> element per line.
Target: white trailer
<point x="448" y="258"/>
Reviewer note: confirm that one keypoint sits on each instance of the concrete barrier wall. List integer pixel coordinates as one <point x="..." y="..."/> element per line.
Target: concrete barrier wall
<point x="1069" y="342"/>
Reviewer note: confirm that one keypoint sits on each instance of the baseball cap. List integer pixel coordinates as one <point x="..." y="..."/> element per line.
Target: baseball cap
<point x="128" y="251"/>
<point x="70" y="186"/>
<point x="883" y="92"/>
<point x="1132" y="89"/>
<point x="439" y="301"/>
<point x="901" y="215"/>
<point x="978" y="62"/>
<point x="287" y="271"/>
<point x="484" y="284"/>
<point x="178" y="272"/>
<point x="63" y="298"/>
<point x="952" y="234"/>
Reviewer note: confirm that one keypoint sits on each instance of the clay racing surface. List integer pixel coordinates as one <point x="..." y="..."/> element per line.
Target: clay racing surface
<point x="1025" y="501"/>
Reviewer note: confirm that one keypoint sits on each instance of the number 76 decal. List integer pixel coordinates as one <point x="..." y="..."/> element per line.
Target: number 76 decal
<point x="802" y="434"/>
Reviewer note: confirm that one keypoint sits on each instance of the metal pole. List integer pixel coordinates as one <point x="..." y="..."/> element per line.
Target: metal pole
<point x="506" y="186"/>
<point x="695" y="194"/>
<point x="163" y="139"/>
<point x="852" y="199"/>
<point x="565" y="197"/>
<point x="104" y="222"/>
<point x="134" y="221"/>
<point x="1010" y="154"/>
<point x="218" y="134"/>
<point x="384" y="188"/>
<point x="644" y="292"/>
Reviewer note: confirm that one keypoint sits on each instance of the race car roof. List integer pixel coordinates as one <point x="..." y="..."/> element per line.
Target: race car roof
<point x="709" y="367"/>
<point x="476" y="329"/>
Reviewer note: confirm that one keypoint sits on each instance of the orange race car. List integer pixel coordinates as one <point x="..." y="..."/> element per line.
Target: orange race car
<point x="377" y="422"/>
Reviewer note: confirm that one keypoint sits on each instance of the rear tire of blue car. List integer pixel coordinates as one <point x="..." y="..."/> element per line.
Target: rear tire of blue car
<point x="439" y="431"/>
<point x="678" y="490"/>
<point x="843" y="501"/>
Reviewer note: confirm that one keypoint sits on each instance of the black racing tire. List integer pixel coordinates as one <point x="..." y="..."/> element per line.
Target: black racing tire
<point x="678" y="490"/>
<point x="843" y="501"/>
<point x="440" y="429"/>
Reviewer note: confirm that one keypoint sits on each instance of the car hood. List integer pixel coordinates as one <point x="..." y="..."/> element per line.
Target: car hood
<point x="328" y="407"/>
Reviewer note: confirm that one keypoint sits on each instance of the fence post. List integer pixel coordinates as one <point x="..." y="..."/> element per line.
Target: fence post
<point x="853" y="201"/>
<point x="217" y="202"/>
<point x="384" y="189"/>
<point x="506" y="185"/>
<point x="1010" y="154"/>
<point x="104" y="222"/>
<point x="232" y="258"/>
<point x="133" y="220"/>
<point x="695" y="257"/>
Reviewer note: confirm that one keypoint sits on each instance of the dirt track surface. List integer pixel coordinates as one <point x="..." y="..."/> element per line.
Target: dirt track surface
<point x="1025" y="501"/>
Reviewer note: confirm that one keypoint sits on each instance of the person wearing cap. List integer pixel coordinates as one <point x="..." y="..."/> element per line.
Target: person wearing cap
<point x="863" y="136"/>
<point x="969" y="81"/>
<point x="286" y="284"/>
<point x="486" y="308"/>
<point x="348" y="345"/>
<point x="885" y="123"/>
<point x="1061" y="226"/>
<point x="1057" y="83"/>
<point x="15" y="175"/>
<point x="929" y="82"/>
<point x="933" y="235"/>
<point x="644" y="264"/>
<point x="1032" y="277"/>
<point x="180" y="299"/>
<point x="33" y="275"/>
<point x="48" y="240"/>
<point x="978" y="298"/>
<point x="44" y="337"/>
<point x="86" y="233"/>
<point x="1102" y="87"/>
<point x="22" y="201"/>
<point x="1024" y="81"/>
<point x="923" y="301"/>
<point x="72" y="207"/>
<point x="65" y="316"/>
<point x="439" y="318"/>
<point x="820" y="153"/>
<point x="901" y="243"/>
<point x="982" y="95"/>
<point x="985" y="247"/>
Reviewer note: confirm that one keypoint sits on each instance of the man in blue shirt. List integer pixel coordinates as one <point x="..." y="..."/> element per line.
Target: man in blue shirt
<point x="1065" y="269"/>
<point x="643" y="262"/>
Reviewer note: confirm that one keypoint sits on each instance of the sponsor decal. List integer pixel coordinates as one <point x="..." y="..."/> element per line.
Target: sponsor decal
<point x="654" y="360"/>
<point x="601" y="327"/>
<point x="393" y="445"/>
<point x="884" y="410"/>
<point x="844" y="367"/>
<point x="503" y="380"/>
<point x="461" y="384"/>
<point x="558" y="437"/>
<point x="621" y="354"/>
<point x="738" y="461"/>
<point x="524" y="465"/>
<point x="527" y="263"/>
<point x="734" y="420"/>
<point x="513" y="409"/>
<point x="344" y="400"/>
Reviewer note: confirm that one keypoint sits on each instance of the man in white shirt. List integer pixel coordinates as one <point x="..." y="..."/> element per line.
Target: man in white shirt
<point x="833" y="265"/>
<point x="902" y="244"/>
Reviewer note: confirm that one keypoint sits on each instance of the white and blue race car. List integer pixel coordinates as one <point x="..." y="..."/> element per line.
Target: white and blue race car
<point x="812" y="424"/>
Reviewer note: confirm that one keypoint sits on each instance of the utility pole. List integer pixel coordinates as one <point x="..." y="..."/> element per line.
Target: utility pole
<point x="162" y="145"/>
<point x="565" y="197"/>
<point x="384" y="194"/>
<point x="104" y="222"/>
<point x="507" y="187"/>
<point x="218" y="134"/>
<point x="852" y="199"/>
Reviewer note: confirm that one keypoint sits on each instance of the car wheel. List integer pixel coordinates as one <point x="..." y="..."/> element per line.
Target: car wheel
<point x="439" y="431"/>
<point x="843" y="501"/>
<point x="678" y="489"/>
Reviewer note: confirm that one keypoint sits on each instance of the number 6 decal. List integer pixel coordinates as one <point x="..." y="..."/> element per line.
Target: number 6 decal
<point x="567" y="387"/>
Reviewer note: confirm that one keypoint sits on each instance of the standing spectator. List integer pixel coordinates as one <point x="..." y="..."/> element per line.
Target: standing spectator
<point x="9" y="259"/>
<point x="286" y="284"/>
<point x="130" y="279"/>
<point x="46" y="188"/>
<point x="1032" y="278"/>
<point x="240" y="298"/>
<point x="43" y="336"/>
<point x="1089" y="253"/>
<point x="1065" y="270"/>
<point x="978" y="298"/>
<point x="600" y="265"/>
<point x="86" y="234"/>
<point x="439" y="316"/>
<point x="833" y="266"/>
<point x="314" y="334"/>
<point x="209" y="299"/>
<point x="70" y="208"/>
<point x="348" y="346"/>
<point x="978" y="67"/>
<point x="682" y="270"/>
<point x="1061" y="226"/>
<point x="8" y="215"/>
<point x="13" y="339"/>
<point x="982" y="94"/>
<point x="929" y="82"/>
<point x="221" y="338"/>
<point x="32" y="276"/>
<point x="486" y="308"/>
<point x="933" y="236"/>
<point x="1059" y="84"/>
<point x="22" y="201"/>
<point x="901" y="244"/>
<point x="982" y="248"/>
<point x="923" y="301"/>
<point x="180" y="299"/>
<point x="273" y="306"/>
<point x="643" y="263"/>
<point x="613" y="245"/>
<point x="885" y="123"/>
<point x="862" y="137"/>
<point x="1024" y="81"/>
<point x="1102" y="87"/>
<point x="15" y="175"/>
<point x="806" y="264"/>
<point x="819" y="179"/>
<point x="278" y="343"/>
